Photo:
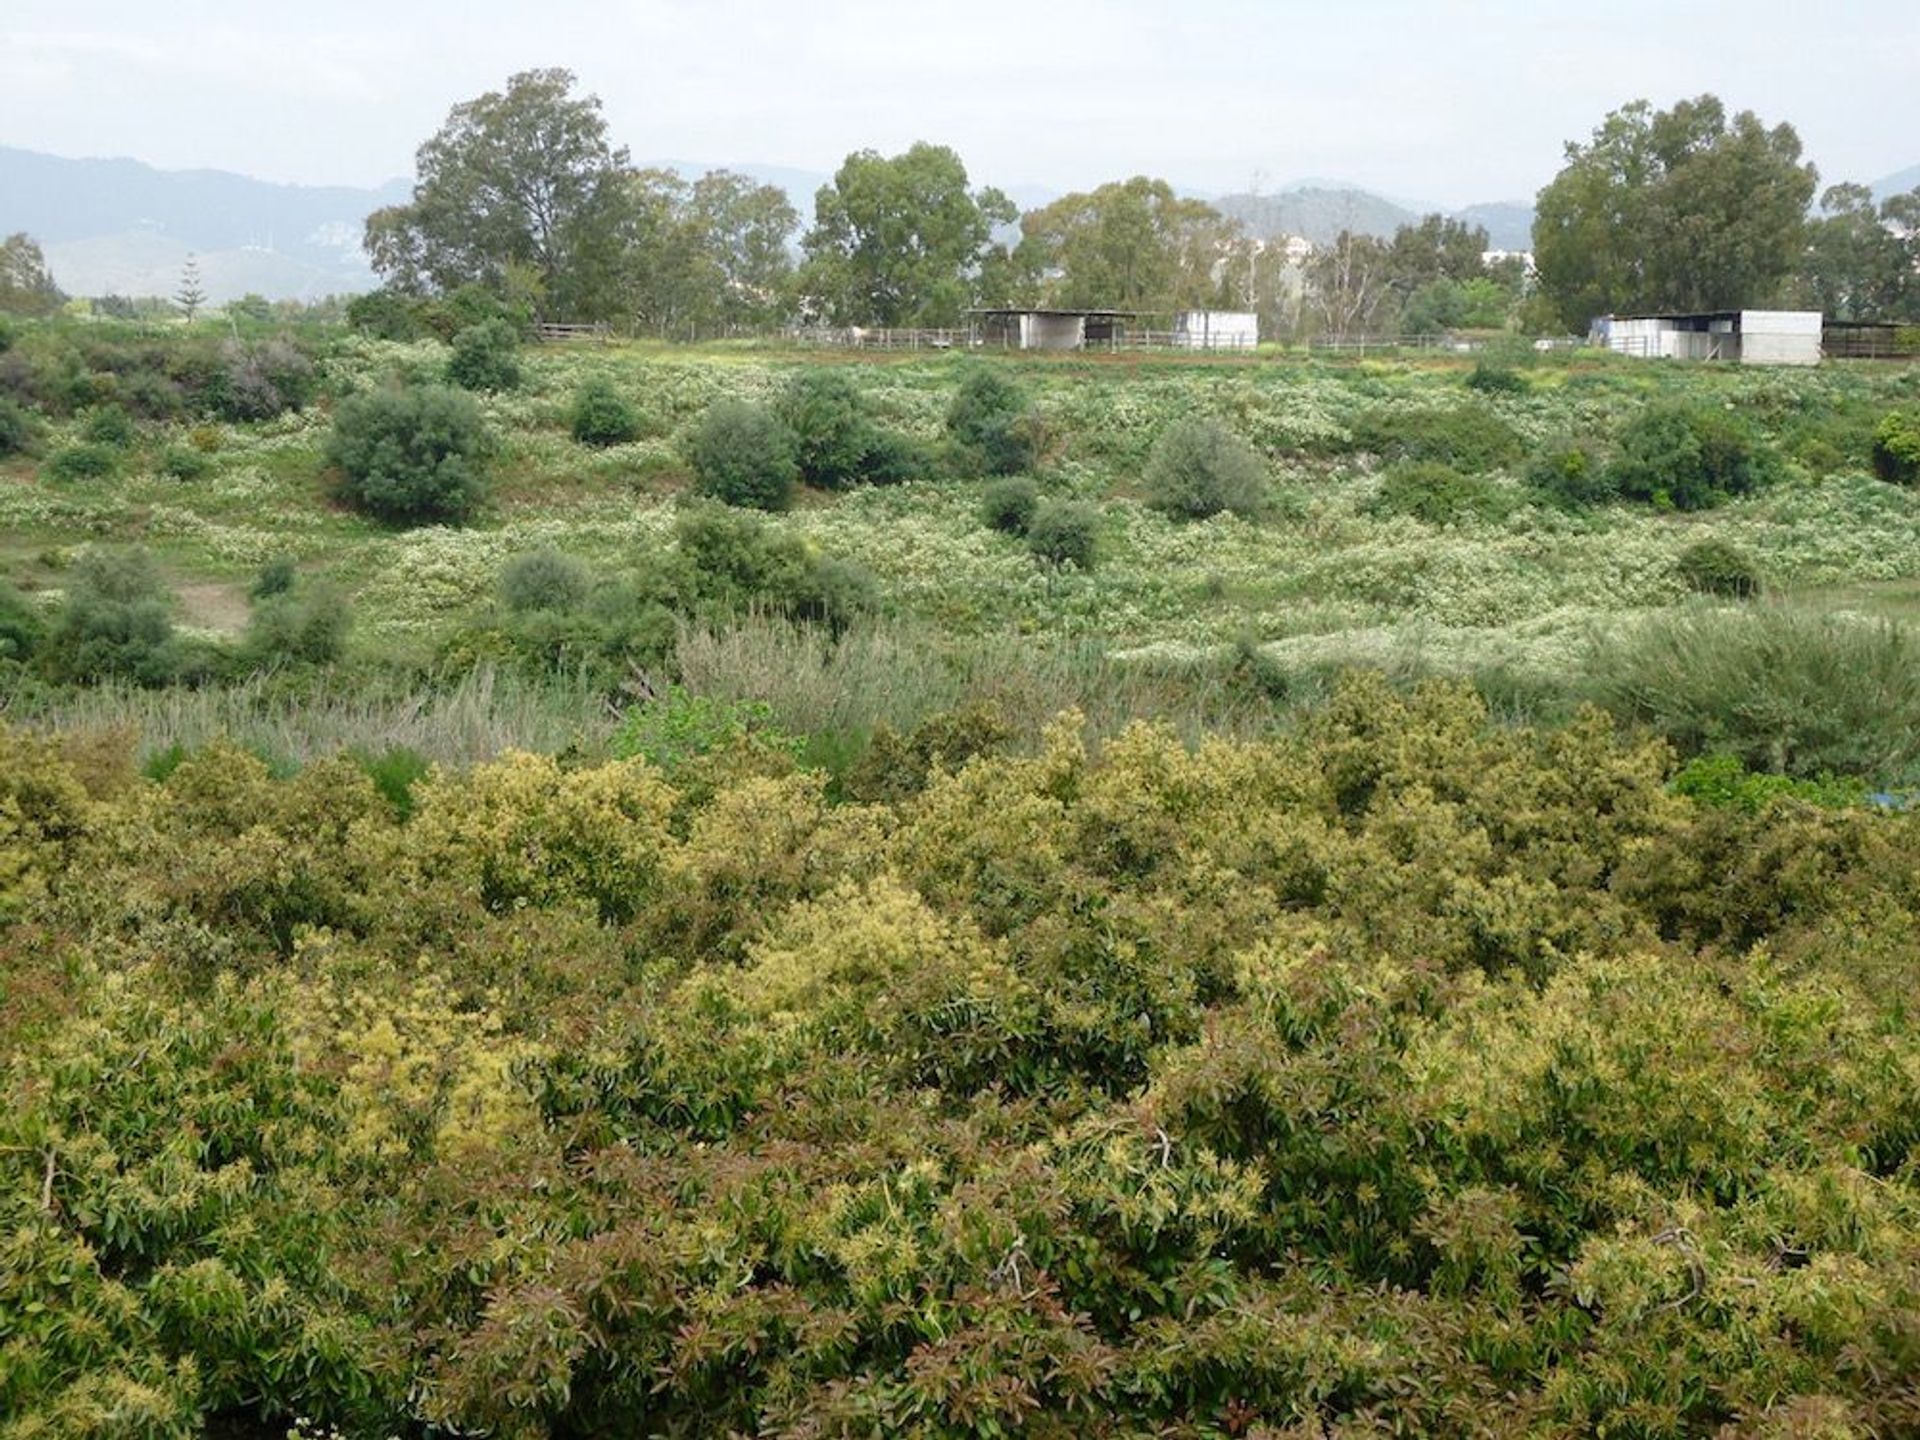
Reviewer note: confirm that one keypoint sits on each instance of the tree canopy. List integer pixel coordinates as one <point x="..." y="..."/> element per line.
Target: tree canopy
<point x="902" y="240"/>
<point x="1679" y="209"/>
<point x="519" y="191"/>
<point x="1135" y="245"/>
<point x="26" y="285"/>
<point x="1863" y="258"/>
<point x="700" y="256"/>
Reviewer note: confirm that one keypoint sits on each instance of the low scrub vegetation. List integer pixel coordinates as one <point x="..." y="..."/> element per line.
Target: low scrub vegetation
<point x="1404" y="1072"/>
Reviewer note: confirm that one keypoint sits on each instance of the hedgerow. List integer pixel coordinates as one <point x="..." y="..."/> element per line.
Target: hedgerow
<point x="1402" y="1073"/>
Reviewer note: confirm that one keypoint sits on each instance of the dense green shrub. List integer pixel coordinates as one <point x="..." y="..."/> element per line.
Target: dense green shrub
<point x="602" y="415"/>
<point x="115" y="621"/>
<point x="397" y="773"/>
<point x="1468" y="437"/>
<point x="1896" y="449"/>
<point x="743" y="455"/>
<point x="822" y="408"/>
<point x="485" y="357"/>
<point x="109" y="425"/>
<point x="1066" y="532"/>
<point x="1202" y="467"/>
<point x="1438" y="494"/>
<point x="1721" y="780"/>
<point x="276" y="577"/>
<point x="544" y="580"/>
<point x="993" y="423"/>
<point x="1716" y="567"/>
<point x="740" y="563"/>
<point x="385" y="315"/>
<point x="83" y="460"/>
<point x="183" y="462"/>
<point x="306" y="624"/>
<point x="678" y="726"/>
<point x="1572" y="474"/>
<point x="1008" y="505"/>
<point x="1495" y="379"/>
<point x="19" y="429"/>
<point x="411" y="456"/>
<point x="1690" y="457"/>
<point x="21" y="627"/>
<point x="260" y="380"/>
<point x="891" y="458"/>
<point x="1786" y="691"/>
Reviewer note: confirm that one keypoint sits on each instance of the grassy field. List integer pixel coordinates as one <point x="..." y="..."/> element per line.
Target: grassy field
<point x="1323" y="580"/>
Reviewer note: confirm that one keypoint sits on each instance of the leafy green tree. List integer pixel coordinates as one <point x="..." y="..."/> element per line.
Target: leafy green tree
<point x="1676" y="209"/>
<point x="1436" y="248"/>
<point x="1135" y="245"/>
<point x="740" y="232"/>
<point x="901" y="240"/>
<point x="702" y="257"/>
<point x="519" y="191"/>
<point x="1348" y="282"/>
<point x="1863" y="259"/>
<point x="26" y="285"/>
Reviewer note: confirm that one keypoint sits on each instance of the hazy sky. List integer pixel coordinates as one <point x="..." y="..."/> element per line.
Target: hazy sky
<point x="1442" y="101"/>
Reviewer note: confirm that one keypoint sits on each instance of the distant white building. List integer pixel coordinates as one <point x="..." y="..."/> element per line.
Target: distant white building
<point x="1216" y="330"/>
<point x="1035" y="328"/>
<point x="1751" y="337"/>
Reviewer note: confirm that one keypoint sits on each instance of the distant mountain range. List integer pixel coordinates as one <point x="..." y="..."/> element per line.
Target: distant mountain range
<point x="1897" y="183"/>
<point x="123" y="227"/>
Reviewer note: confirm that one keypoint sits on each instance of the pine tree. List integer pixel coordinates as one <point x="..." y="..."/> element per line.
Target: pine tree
<point x="190" y="296"/>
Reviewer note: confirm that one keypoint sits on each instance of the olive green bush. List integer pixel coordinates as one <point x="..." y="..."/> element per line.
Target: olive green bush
<point x="1571" y="474"/>
<point x="115" y="620"/>
<point x="822" y="408"/>
<point x="601" y="415"/>
<point x="1438" y="494"/>
<point x="1690" y="457"/>
<point x="743" y="455"/>
<point x="83" y="460"/>
<point x="1065" y="532"/>
<point x="485" y="357"/>
<point x="22" y="627"/>
<point x="1896" y="449"/>
<point x="304" y="624"/>
<point x="19" y="430"/>
<point x="1786" y="691"/>
<point x="1715" y="567"/>
<point x="109" y="425"/>
<point x="1009" y="505"/>
<point x="992" y="423"/>
<point x="412" y="456"/>
<point x="1200" y="468"/>
<point x="1470" y="438"/>
<point x="544" y="580"/>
